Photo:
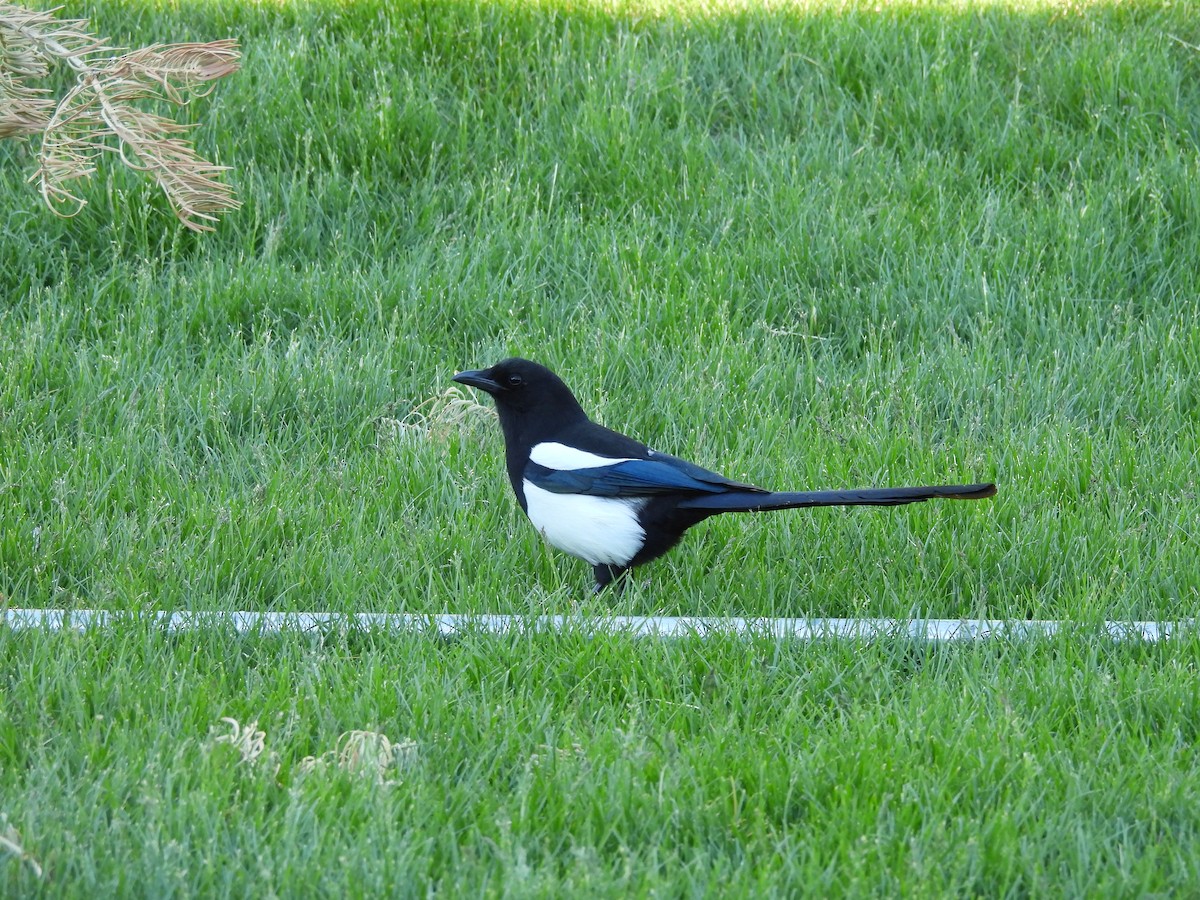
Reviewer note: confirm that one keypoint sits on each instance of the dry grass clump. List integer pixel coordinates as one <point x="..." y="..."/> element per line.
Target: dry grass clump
<point x="362" y="753"/>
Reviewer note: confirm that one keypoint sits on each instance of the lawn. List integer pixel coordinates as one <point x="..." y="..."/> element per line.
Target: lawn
<point x="810" y="245"/>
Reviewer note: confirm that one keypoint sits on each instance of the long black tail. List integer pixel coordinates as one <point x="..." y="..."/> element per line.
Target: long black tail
<point x="749" y="501"/>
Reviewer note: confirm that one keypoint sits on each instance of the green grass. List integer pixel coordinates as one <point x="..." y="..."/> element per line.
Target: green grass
<point x="606" y="766"/>
<point x="813" y="246"/>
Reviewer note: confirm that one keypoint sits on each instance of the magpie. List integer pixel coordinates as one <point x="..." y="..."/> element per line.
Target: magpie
<point x="611" y="500"/>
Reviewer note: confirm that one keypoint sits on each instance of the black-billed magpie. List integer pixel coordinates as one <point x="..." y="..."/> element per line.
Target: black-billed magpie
<point x="611" y="500"/>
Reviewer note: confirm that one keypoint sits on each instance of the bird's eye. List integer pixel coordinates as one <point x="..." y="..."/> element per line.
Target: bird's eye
<point x="515" y="380"/>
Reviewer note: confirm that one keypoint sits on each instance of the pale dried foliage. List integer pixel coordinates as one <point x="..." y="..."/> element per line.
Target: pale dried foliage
<point x="247" y="739"/>
<point x="101" y="112"/>
<point x="10" y="842"/>
<point x="365" y="754"/>
<point x="370" y="755"/>
<point x="443" y="414"/>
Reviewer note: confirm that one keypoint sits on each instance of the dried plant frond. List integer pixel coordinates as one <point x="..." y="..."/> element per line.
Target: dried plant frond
<point x="104" y="104"/>
<point x="182" y="72"/>
<point x="19" y="54"/>
<point x="33" y="33"/>
<point x="70" y="147"/>
<point x="23" y="110"/>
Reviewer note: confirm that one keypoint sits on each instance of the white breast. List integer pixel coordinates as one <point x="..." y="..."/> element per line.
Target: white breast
<point x="596" y="529"/>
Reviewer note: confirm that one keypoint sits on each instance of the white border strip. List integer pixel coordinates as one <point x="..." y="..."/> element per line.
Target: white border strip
<point x="449" y="624"/>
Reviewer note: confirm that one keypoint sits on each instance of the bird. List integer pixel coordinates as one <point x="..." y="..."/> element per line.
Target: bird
<point x="611" y="500"/>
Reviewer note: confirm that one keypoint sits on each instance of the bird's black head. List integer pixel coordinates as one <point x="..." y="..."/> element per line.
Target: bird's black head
<point x="526" y="394"/>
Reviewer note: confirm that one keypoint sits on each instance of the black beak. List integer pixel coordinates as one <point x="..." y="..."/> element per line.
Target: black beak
<point x="477" y="378"/>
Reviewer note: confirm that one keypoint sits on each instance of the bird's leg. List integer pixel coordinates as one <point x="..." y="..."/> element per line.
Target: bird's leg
<point x="607" y="574"/>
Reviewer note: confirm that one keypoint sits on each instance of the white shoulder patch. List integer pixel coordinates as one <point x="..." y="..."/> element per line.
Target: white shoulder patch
<point x="560" y="457"/>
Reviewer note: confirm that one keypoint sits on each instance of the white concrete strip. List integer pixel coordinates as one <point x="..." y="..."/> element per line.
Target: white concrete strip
<point x="637" y="626"/>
